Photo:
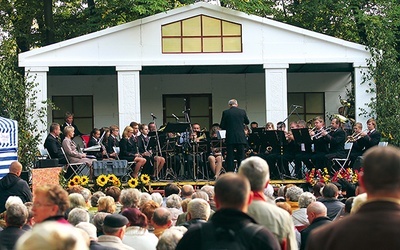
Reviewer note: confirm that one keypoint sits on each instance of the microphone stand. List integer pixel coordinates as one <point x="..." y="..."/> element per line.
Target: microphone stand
<point x="194" y="144"/>
<point x="158" y="146"/>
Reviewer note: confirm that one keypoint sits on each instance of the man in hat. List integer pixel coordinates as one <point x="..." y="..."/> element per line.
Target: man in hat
<point x="114" y="230"/>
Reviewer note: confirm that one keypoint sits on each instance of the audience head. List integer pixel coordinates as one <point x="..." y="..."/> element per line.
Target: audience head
<point x="49" y="200"/>
<point x="148" y="209"/>
<point x="12" y="200"/>
<point x="317" y="189"/>
<point x="52" y="235"/>
<point x="256" y="170"/>
<point x="16" y="215"/>
<point x="293" y="193"/>
<point x="115" y="224"/>
<point x="130" y="197"/>
<point x="157" y="197"/>
<point x="232" y="191"/>
<point x="173" y="201"/>
<point x="381" y="175"/>
<point x="95" y="198"/>
<point x="30" y="220"/>
<point x="76" y="200"/>
<point x="98" y="221"/>
<point x="201" y="194"/>
<point x="330" y="191"/>
<point x="305" y="199"/>
<point x="106" y="204"/>
<point x="89" y="228"/>
<point x="209" y="190"/>
<point x="15" y="168"/>
<point x="135" y="217"/>
<point x="316" y="209"/>
<point x="184" y="204"/>
<point x="162" y="218"/>
<point x="86" y="195"/>
<point x="144" y="197"/>
<point x="78" y="215"/>
<point x="198" y="209"/>
<point x="187" y="191"/>
<point x="114" y="192"/>
<point x="170" y="238"/>
<point x="171" y="188"/>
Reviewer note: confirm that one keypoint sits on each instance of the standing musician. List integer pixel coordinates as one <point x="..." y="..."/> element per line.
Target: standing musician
<point x="112" y="141"/>
<point x="303" y="152"/>
<point x="336" y="139"/>
<point x="129" y="149"/>
<point x="69" y="121"/>
<point x="372" y="137"/>
<point x="233" y="120"/>
<point x="145" y="149"/>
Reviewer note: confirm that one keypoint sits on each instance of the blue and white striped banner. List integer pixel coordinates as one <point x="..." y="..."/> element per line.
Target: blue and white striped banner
<point x="8" y="144"/>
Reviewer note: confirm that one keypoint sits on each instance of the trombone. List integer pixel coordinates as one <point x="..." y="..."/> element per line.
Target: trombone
<point x="355" y="136"/>
<point x="319" y="133"/>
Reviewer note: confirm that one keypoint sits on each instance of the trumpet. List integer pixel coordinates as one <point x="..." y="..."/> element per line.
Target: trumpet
<point x="319" y="133"/>
<point x="355" y="136"/>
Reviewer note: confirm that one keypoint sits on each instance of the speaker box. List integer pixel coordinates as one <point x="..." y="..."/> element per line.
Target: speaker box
<point x="117" y="167"/>
<point x="46" y="163"/>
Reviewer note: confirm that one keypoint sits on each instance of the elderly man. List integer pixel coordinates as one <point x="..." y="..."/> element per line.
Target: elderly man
<point x="90" y="229"/>
<point x="13" y="185"/>
<point x="317" y="216"/>
<point x="50" y="204"/>
<point x="161" y="220"/>
<point x="15" y="218"/>
<point x="53" y="143"/>
<point x="269" y="215"/>
<point x="114" y="227"/>
<point x="230" y="226"/>
<point x="376" y="224"/>
<point x="198" y="212"/>
<point x="330" y="193"/>
<point x="187" y="191"/>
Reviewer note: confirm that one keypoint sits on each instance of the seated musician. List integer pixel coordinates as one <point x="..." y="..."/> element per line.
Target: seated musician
<point x="152" y="127"/>
<point x="71" y="150"/>
<point x="358" y="143"/>
<point x="145" y="149"/>
<point x="269" y="126"/>
<point x="320" y="145"/>
<point x="303" y="151"/>
<point x="112" y="141"/>
<point x="372" y="137"/>
<point x="253" y="125"/>
<point x="129" y="149"/>
<point x="94" y="141"/>
<point x="69" y="121"/>
<point x="215" y="158"/>
<point x="53" y="144"/>
<point x="289" y="152"/>
<point x="336" y="139"/>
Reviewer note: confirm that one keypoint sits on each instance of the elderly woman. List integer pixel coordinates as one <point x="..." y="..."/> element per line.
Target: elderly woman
<point x="173" y="204"/>
<point x="136" y="234"/>
<point x="292" y="197"/>
<point x="70" y="148"/>
<point x="107" y="205"/>
<point x="130" y="198"/>
<point x="300" y="219"/>
<point x="129" y="149"/>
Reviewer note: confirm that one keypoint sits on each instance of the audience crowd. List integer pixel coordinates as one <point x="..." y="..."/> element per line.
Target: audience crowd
<point x="242" y="211"/>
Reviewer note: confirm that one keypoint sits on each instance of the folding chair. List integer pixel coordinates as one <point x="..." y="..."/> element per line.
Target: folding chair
<point x="129" y="167"/>
<point x="342" y="162"/>
<point x="76" y="168"/>
<point x="44" y="154"/>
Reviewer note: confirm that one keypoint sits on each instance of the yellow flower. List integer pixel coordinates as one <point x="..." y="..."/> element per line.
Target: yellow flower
<point x="84" y="180"/>
<point x="144" y="178"/>
<point x="102" y="180"/>
<point x="77" y="179"/>
<point x="111" y="177"/>
<point x="116" y="182"/>
<point x="133" y="182"/>
<point x="71" y="183"/>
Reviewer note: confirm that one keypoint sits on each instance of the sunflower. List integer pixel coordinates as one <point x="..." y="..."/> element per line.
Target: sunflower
<point x="112" y="177"/>
<point x="102" y="180"/>
<point x="116" y="182"/>
<point x="84" y="180"/>
<point x="71" y="183"/>
<point x="77" y="179"/>
<point x="144" y="178"/>
<point x="133" y="182"/>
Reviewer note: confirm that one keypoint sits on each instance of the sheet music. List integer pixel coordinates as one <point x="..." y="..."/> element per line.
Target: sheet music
<point x="92" y="148"/>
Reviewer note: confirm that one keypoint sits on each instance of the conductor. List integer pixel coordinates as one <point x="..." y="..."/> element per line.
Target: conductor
<point x="233" y="121"/>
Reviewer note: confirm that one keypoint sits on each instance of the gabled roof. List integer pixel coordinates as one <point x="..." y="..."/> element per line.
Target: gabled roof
<point x="138" y="43"/>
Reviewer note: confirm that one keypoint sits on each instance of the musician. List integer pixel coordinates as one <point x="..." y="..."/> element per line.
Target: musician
<point x="215" y="158"/>
<point x="269" y="126"/>
<point x="320" y="145"/>
<point x="289" y="153"/>
<point x="372" y="137"/>
<point x="146" y="150"/>
<point x="233" y="120"/>
<point x="94" y="141"/>
<point x="358" y="143"/>
<point x="336" y="138"/>
<point x="53" y="144"/>
<point x="303" y="151"/>
<point x="69" y="121"/>
<point x="253" y="125"/>
<point x="112" y="141"/>
<point x="106" y="138"/>
<point x="152" y="127"/>
<point x="71" y="150"/>
<point x="129" y="149"/>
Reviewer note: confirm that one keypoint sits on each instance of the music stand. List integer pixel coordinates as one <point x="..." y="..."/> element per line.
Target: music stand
<point x="301" y="136"/>
<point x="275" y="139"/>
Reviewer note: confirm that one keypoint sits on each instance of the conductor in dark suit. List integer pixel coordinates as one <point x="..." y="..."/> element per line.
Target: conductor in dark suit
<point x="233" y="121"/>
<point x="376" y="224"/>
<point x="53" y="144"/>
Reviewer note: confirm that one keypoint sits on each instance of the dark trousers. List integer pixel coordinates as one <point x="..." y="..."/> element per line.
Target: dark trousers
<point x="231" y="155"/>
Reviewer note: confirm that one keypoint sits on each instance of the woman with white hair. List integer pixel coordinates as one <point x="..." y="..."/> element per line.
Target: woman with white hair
<point x="300" y="219"/>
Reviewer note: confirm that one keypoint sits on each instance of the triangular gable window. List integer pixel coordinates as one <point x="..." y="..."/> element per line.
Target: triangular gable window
<point x="201" y="34"/>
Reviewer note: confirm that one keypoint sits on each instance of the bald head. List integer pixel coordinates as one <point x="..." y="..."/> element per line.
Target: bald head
<point x="316" y="209"/>
<point x="162" y="217"/>
<point x="15" y="168"/>
<point x="187" y="191"/>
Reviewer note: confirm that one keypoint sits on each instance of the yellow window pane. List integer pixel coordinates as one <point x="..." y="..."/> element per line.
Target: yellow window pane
<point x="232" y="44"/>
<point x="171" y="45"/>
<point x="191" y="27"/>
<point x="212" y="45"/>
<point x="231" y="29"/>
<point x="173" y="29"/>
<point x="191" y="45"/>
<point x="211" y="26"/>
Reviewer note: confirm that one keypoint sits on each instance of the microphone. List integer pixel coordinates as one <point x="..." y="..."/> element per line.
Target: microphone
<point x="153" y="116"/>
<point x="297" y="106"/>
<point x="177" y="119"/>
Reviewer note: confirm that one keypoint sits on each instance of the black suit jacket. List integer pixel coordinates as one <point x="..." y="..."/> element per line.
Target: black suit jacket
<point x="127" y="147"/>
<point x="112" y="142"/>
<point x="317" y="222"/>
<point x="372" y="139"/>
<point x="233" y="121"/>
<point x="53" y="145"/>
<point x="374" y="226"/>
<point x="336" y="141"/>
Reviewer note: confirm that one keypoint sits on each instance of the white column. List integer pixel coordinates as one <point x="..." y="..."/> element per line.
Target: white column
<point x="128" y="95"/>
<point x="38" y="75"/>
<point x="276" y="92"/>
<point x="362" y="97"/>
